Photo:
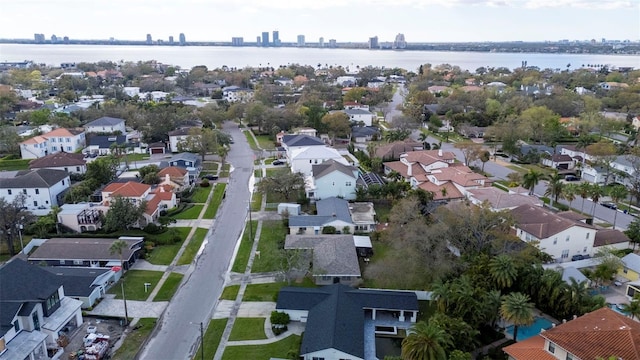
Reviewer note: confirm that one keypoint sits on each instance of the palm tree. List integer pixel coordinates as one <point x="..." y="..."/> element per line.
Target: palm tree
<point x="617" y="193"/>
<point x="223" y="151"/>
<point x="596" y="193"/>
<point x="531" y="179"/>
<point x="116" y="248"/>
<point x="441" y="294"/>
<point x="516" y="309"/>
<point x="569" y="192"/>
<point x="584" y="190"/>
<point x="633" y="308"/>
<point x="423" y="138"/>
<point x="554" y="188"/>
<point x="503" y="270"/>
<point x="425" y="341"/>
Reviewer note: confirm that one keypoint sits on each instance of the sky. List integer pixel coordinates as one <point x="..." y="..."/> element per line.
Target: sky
<point x="343" y="20"/>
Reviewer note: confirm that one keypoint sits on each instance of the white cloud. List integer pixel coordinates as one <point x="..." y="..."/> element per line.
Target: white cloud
<point x="583" y="4"/>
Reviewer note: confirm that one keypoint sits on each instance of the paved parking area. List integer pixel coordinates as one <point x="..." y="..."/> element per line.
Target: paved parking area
<point x="136" y="309"/>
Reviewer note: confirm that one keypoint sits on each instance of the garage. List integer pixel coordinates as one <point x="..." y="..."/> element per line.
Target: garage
<point x="157" y="148"/>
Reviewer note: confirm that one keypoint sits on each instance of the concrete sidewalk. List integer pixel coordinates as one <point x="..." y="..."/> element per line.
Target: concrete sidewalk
<point x="202" y="223"/>
<point x="110" y="306"/>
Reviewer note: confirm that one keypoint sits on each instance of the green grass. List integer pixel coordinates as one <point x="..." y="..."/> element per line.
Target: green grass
<point x="270" y="246"/>
<point x="380" y="249"/>
<point x="164" y="237"/>
<point x="201" y="194"/>
<point x="214" y="204"/>
<point x="210" y="166"/>
<point x="274" y="171"/>
<point x="192" y="247"/>
<point x="134" y="284"/>
<point x="133" y="342"/>
<point x="265" y="142"/>
<point x="15" y="164"/>
<point x="190" y="213"/>
<point x="426" y="309"/>
<point x="163" y="254"/>
<point x="169" y="287"/>
<point x="230" y="292"/>
<point x="248" y="329"/>
<point x="250" y="140"/>
<point x="225" y="170"/>
<point x="383" y="209"/>
<point x="136" y="157"/>
<point x="240" y="263"/>
<point x="211" y="339"/>
<point x="257" y="173"/>
<point x="269" y="291"/>
<point x="278" y="349"/>
<point x="256" y="201"/>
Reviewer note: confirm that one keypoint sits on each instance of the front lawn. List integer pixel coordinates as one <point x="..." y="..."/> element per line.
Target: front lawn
<point x="248" y="329"/>
<point x="192" y="247"/>
<point x="265" y="142"/>
<point x="133" y="342"/>
<point x="216" y="199"/>
<point x="280" y="349"/>
<point x="256" y="201"/>
<point x="270" y="247"/>
<point x="201" y="194"/>
<point x="225" y="170"/>
<point x="250" y="140"/>
<point x="136" y="157"/>
<point x="169" y="287"/>
<point x="134" y="281"/>
<point x="269" y="291"/>
<point x="242" y="257"/>
<point x="164" y="254"/>
<point x="211" y="339"/>
<point x="210" y="166"/>
<point x="190" y="213"/>
<point x="230" y="292"/>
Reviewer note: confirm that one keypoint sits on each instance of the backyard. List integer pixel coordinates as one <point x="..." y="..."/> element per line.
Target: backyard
<point x="270" y="247"/>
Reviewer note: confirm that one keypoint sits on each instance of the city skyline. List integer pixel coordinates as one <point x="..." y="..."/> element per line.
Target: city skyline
<point x="418" y="20"/>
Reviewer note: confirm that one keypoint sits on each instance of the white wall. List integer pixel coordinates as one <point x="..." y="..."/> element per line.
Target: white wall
<point x="304" y="165"/>
<point x="336" y="184"/>
<point x="174" y="140"/>
<point x="580" y="242"/>
<point x="38" y="197"/>
<point x="33" y="151"/>
<point x="79" y="169"/>
<point x="107" y="129"/>
<point x="330" y="354"/>
<point x="296" y="315"/>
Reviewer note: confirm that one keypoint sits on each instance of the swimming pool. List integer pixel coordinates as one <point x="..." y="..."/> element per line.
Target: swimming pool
<point x="616" y="307"/>
<point x="525" y="332"/>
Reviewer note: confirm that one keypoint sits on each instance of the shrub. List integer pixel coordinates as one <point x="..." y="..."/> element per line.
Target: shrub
<point x="328" y="230"/>
<point x="279" y="318"/>
<point x="152" y="228"/>
<point x="204" y="183"/>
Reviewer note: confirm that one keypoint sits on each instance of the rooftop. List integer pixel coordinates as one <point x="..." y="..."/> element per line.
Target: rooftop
<point x="38" y="178"/>
<point x="333" y="255"/>
<point x="83" y="249"/>
<point x="59" y="159"/>
<point x="105" y="121"/>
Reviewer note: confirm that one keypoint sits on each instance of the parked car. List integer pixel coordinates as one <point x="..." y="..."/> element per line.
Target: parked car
<point x="210" y="177"/>
<point x="278" y="162"/>
<point x="609" y="204"/>
<point x="571" y="178"/>
<point x="577" y="257"/>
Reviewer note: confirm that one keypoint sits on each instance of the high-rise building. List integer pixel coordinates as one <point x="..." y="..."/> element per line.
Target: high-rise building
<point x="321" y="42"/>
<point x="332" y="43"/>
<point x="373" y="43"/>
<point x="65" y="39"/>
<point x="258" y="40"/>
<point x="54" y="38"/>
<point x="149" y="39"/>
<point x="265" y="38"/>
<point x="400" y="42"/>
<point x="171" y="40"/>
<point x="276" y="38"/>
<point x="301" y="40"/>
<point x="39" y="38"/>
<point x="183" y="39"/>
<point x="238" y="41"/>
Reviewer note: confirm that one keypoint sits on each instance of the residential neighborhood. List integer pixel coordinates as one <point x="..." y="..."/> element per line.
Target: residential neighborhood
<point x="319" y="212"/>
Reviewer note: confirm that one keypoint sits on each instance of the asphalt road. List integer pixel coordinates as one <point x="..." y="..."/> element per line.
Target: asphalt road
<point x="194" y="302"/>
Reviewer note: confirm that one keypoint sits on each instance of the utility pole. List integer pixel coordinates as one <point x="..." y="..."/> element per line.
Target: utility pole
<point x="126" y="314"/>
<point x="202" y="340"/>
<point x="250" y="223"/>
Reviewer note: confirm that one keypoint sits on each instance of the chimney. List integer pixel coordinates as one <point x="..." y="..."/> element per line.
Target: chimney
<point x="410" y="169"/>
<point x="440" y="152"/>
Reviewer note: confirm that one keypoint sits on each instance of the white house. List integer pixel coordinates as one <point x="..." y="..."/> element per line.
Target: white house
<point x="81" y="217"/>
<point x="61" y="139"/>
<point x="360" y="116"/>
<point x="72" y="163"/>
<point x="107" y="125"/>
<point x="332" y="179"/>
<point x="176" y="137"/>
<point x="290" y="143"/>
<point x="559" y="237"/>
<point x="42" y="188"/>
<point x="303" y="159"/>
<point x="236" y="94"/>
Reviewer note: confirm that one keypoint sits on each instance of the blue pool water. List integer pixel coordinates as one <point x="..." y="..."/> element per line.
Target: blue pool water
<point x="525" y="332"/>
<point x="617" y="309"/>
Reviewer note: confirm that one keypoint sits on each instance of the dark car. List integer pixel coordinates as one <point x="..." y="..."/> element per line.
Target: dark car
<point x="571" y="178"/>
<point x="577" y="257"/>
<point x="609" y="204"/>
<point x="210" y="177"/>
<point x="278" y="162"/>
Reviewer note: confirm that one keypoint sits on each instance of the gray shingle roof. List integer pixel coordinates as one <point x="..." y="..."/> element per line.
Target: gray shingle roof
<point x="301" y="140"/>
<point x="632" y="261"/>
<point x="336" y="314"/>
<point x="363" y="131"/>
<point x="105" y="121"/>
<point x="309" y="220"/>
<point x="77" y="281"/>
<point x="58" y="159"/>
<point x="334" y="206"/>
<point x="333" y="255"/>
<point x="104" y="142"/>
<point x="184" y="156"/>
<point x="357" y="112"/>
<point x="330" y="166"/>
<point x="82" y="249"/>
<point x="39" y="178"/>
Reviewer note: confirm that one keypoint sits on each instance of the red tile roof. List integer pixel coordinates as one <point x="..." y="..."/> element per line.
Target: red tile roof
<point x="128" y="189"/>
<point x="173" y="171"/>
<point x="152" y="205"/>
<point x="451" y="191"/>
<point x="530" y="349"/>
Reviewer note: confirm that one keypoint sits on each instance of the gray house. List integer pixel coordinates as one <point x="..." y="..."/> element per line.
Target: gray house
<point x="84" y="284"/>
<point x="188" y="161"/>
<point x="332" y="212"/>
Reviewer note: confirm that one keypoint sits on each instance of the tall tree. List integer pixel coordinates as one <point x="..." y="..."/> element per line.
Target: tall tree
<point x="617" y="194"/>
<point x="122" y="214"/>
<point x="531" y="179"/>
<point x="633" y="232"/>
<point x="470" y="151"/>
<point x="117" y="247"/>
<point x="596" y="192"/>
<point x="425" y="341"/>
<point x="503" y="271"/>
<point x="569" y="192"/>
<point x="554" y="187"/>
<point x="604" y="153"/>
<point x="201" y="141"/>
<point x="102" y="170"/>
<point x="337" y="124"/>
<point x="12" y="213"/>
<point x="284" y="183"/>
<point x="584" y="190"/>
<point x="632" y="309"/>
<point x="517" y="310"/>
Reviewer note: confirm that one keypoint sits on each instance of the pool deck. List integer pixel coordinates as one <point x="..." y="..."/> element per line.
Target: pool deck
<point x="370" y="332"/>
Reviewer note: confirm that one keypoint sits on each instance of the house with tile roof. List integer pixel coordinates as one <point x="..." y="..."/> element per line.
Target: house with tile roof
<point x="557" y="236"/>
<point x="33" y="317"/>
<point x="106" y="125"/>
<point x="42" y="188"/>
<point x="174" y="176"/>
<point x="341" y="321"/>
<point x="73" y="163"/>
<point x="332" y="179"/>
<point x="501" y="200"/>
<point x="61" y="139"/>
<point x="602" y="333"/>
<point x="333" y="257"/>
<point x="155" y="199"/>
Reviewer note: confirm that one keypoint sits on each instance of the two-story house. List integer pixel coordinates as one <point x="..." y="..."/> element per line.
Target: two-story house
<point x="104" y="145"/>
<point x="35" y="312"/>
<point x="303" y="159"/>
<point x="72" y="163"/>
<point x="106" y="125"/>
<point x="61" y="139"/>
<point x="174" y="176"/>
<point x="600" y="334"/>
<point x="235" y="94"/>
<point x="557" y="236"/>
<point x="188" y="161"/>
<point x="81" y="217"/>
<point x="177" y="137"/>
<point x="290" y="143"/>
<point x="358" y="116"/>
<point x="42" y="188"/>
<point x="332" y="179"/>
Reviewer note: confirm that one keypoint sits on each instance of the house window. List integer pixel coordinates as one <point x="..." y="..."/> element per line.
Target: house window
<point x="565" y="254"/>
<point x="569" y="357"/>
<point x="37" y="191"/>
<point x="36" y="321"/>
<point x="568" y="236"/>
<point x="53" y="139"/>
<point x="24" y="191"/>
<point x="584" y="249"/>
<point x="68" y="140"/>
<point x="78" y="168"/>
<point x="68" y="148"/>
<point x="54" y="148"/>
<point x="552" y="348"/>
<point x="9" y="191"/>
<point x="62" y="182"/>
<point x="317" y="358"/>
<point x="587" y="236"/>
<point x="348" y="183"/>
<point x="62" y="262"/>
<point x="77" y="262"/>
<point x="555" y="240"/>
<point x="16" y="325"/>
<point x="624" y="270"/>
<point x="35" y="203"/>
